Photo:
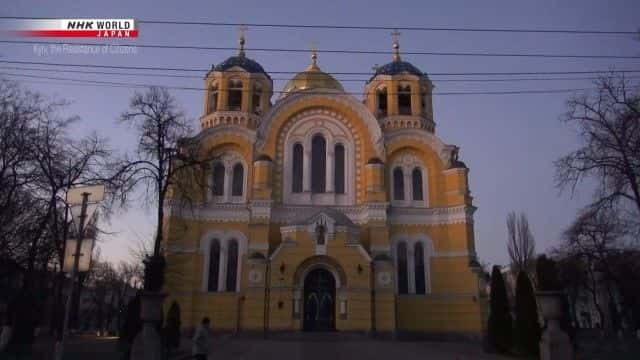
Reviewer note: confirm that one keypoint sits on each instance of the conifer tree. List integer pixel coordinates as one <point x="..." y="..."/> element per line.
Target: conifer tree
<point x="172" y="327"/>
<point x="527" y="327"/>
<point x="500" y="323"/>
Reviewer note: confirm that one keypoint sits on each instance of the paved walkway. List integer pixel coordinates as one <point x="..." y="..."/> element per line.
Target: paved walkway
<point x="229" y="347"/>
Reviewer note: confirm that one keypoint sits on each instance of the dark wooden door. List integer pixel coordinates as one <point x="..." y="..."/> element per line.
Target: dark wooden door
<point x="319" y="301"/>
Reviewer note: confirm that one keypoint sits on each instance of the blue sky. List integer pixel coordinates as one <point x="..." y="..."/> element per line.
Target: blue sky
<point x="508" y="141"/>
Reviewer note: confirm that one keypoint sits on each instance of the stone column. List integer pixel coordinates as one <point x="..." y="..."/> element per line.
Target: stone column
<point x="306" y="170"/>
<point x="228" y="173"/>
<point x="222" y="269"/>
<point x="408" y="185"/>
<point x="147" y="345"/>
<point x="411" y="269"/>
<point x="329" y="173"/>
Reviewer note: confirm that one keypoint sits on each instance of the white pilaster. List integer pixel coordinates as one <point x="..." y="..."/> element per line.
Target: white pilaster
<point x="411" y="269"/>
<point x="330" y="168"/>
<point x="408" y="185"/>
<point x="222" y="270"/>
<point x="306" y="171"/>
<point x="228" y="174"/>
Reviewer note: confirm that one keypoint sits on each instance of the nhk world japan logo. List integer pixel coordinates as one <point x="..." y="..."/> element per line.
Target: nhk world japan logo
<point x="74" y="28"/>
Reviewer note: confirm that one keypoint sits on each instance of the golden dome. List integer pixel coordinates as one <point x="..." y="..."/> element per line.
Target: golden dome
<point x="311" y="78"/>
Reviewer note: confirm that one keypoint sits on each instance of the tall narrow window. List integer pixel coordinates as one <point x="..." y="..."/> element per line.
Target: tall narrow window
<point x="398" y="184"/>
<point x="256" y="99"/>
<point x="382" y="101"/>
<point x="218" y="180"/>
<point x="419" y="269"/>
<point x="238" y="180"/>
<point x="235" y="95"/>
<point x="297" y="173"/>
<point x="339" y="169"/>
<point x="232" y="265"/>
<point x="318" y="164"/>
<point x="416" y="180"/>
<point x="404" y="100"/>
<point x="214" y="265"/>
<point x="403" y="278"/>
<point x="213" y="98"/>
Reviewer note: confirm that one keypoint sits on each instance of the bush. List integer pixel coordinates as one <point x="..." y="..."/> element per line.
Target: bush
<point x="171" y="331"/>
<point x="500" y="323"/>
<point x="527" y="327"/>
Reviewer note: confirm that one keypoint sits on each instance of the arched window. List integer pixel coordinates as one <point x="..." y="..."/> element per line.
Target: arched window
<point x="382" y="101"/>
<point x="424" y="100"/>
<point x="416" y="180"/>
<point x="404" y="100"/>
<point x="218" y="179"/>
<point x="256" y="99"/>
<point x="318" y="164"/>
<point x="214" y="265"/>
<point x="398" y="184"/>
<point x="419" y="269"/>
<point x="297" y="173"/>
<point x="232" y="265"/>
<point x="339" y="169"/>
<point x="235" y="95"/>
<point x="213" y="98"/>
<point x="238" y="180"/>
<point x="403" y="278"/>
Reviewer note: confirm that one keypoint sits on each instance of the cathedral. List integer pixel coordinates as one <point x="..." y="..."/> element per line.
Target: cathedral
<point x="325" y="211"/>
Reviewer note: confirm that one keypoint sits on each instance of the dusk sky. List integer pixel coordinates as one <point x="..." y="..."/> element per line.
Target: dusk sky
<point x="509" y="142"/>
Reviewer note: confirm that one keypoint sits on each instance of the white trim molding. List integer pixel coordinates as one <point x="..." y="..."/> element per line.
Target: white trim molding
<point x="462" y="214"/>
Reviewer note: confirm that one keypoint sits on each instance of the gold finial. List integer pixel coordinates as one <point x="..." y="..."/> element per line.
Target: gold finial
<point x="314" y="53"/>
<point x="396" y="45"/>
<point x="314" y="58"/>
<point x="242" y="29"/>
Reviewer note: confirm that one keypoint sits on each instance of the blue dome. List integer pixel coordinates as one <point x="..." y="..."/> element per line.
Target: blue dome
<point x="397" y="67"/>
<point x="243" y="62"/>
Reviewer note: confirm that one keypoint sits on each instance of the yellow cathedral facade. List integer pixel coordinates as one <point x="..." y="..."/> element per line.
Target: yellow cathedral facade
<point x="324" y="211"/>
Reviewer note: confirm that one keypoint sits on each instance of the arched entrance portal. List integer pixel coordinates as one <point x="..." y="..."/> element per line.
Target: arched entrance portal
<point x="319" y="301"/>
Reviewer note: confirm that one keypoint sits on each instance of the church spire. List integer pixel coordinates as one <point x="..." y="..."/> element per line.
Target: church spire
<point x="396" y="45"/>
<point x="242" y="30"/>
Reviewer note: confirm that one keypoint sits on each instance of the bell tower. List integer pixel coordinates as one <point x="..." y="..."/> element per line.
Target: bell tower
<point x="399" y="94"/>
<point x="238" y="91"/>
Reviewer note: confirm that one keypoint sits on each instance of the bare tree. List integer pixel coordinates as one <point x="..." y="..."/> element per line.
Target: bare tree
<point x="521" y="243"/>
<point x="608" y="126"/>
<point x="595" y="238"/>
<point x="166" y="161"/>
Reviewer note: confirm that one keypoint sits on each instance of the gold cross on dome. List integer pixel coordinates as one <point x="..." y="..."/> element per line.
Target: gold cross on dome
<point x="396" y="35"/>
<point x="314" y="52"/>
<point x="242" y="29"/>
<point x="396" y="44"/>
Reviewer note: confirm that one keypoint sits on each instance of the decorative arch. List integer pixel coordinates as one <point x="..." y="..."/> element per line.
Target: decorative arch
<point x="426" y="246"/>
<point x="293" y="104"/>
<point x="408" y="179"/>
<point x="302" y="129"/>
<point x="223" y="238"/>
<point x="320" y="262"/>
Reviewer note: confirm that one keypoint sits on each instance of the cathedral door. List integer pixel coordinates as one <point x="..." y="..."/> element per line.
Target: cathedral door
<point x="319" y="301"/>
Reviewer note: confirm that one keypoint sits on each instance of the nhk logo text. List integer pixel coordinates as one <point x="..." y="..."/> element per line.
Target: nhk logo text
<point x="78" y="28"/>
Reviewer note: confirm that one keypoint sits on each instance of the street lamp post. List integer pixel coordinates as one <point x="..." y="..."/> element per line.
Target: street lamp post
<point x="86" y="211"/>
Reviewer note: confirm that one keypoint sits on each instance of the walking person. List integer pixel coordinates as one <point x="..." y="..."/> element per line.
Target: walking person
<point x="202" y="340"/>
<point x="5" y="335"/>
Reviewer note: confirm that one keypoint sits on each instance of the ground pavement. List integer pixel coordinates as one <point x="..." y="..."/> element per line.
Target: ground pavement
<point x="335" y="347"/>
